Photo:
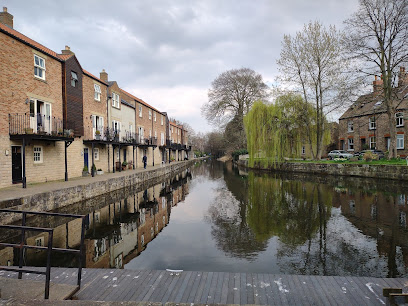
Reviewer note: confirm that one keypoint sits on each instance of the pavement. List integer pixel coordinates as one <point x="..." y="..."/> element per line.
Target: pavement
<point x="17" y="191"/>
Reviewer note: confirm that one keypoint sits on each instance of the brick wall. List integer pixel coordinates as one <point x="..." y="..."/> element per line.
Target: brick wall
<point x="74" y="96"/>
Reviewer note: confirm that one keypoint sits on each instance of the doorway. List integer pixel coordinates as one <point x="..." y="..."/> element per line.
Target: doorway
<point x="16" y="164"/>
<point x="86" y="158"/>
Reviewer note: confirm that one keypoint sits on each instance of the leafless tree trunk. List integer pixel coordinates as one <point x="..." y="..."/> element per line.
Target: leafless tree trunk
<point x="312" y="63"/>
<point x="378" y="36"/>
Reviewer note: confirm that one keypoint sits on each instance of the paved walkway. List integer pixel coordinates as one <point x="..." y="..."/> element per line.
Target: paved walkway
<point x="17" y="191"/>
<point x="222" y="287"/>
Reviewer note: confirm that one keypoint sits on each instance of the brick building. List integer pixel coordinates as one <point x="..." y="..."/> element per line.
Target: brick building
<point x="54" y="113"/>
<point x="365" y="124"/>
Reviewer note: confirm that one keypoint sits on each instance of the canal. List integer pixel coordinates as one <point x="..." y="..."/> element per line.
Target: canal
<point x="216" y="217"/>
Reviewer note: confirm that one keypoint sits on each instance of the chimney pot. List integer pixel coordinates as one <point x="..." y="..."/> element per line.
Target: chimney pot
<point x="103" y="75"/>
<point x="4" y="9"/>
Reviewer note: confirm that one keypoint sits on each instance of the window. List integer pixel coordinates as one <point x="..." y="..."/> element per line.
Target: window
<point x="150" y="114"/>
<point x="388" y="142"/>
<point x="74" y="79"/>
<point x="116" y="126"/>
<point x="162" y="139"/>
<point x="39" y="241"/>
<point x="155" y="134"/>
<point x="350" y="126"/>
<point x="131" y="128"/>
<point x="38" y="155"/>
<point x="154" y="116"/>
<point x="162" y="119"/>
<point x="97" y="92"/>
<point x="400" y="119"/>
<point x="400" y="141"/>
<point x="142" y="240"/>
<point x="372" y="143"/>
<point x="96" y="153"/>
<point x="371" y="123"/>
<point x="140" y="111"/>
<point x="39" y="67"/>
<point x="115" y="100"/>
<point x="350" y="144"/>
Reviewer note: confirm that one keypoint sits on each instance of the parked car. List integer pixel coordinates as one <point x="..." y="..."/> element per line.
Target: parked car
<point x="380" y="153"/>
<point x="339" y="154"/>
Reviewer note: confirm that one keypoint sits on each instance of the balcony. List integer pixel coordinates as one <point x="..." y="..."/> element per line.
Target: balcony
<point x="39" y="127"/>
<point x="148" y="142"/>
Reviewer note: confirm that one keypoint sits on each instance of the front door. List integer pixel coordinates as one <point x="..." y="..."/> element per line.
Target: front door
<point x="86" y="158"/>
<point x="17" y="176"/>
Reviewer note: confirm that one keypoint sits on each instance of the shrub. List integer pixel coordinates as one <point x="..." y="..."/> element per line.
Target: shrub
<point x="85" y="169"/>
<point x="369" y="156"/>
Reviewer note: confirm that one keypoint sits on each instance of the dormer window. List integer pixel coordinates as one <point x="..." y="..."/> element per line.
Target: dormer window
<point x="74" y="79"/>
<point x="371" y="123"/>
<point x="350" y="127"/>
<point x="39" y="67"/>
<point x="399" y="117"/>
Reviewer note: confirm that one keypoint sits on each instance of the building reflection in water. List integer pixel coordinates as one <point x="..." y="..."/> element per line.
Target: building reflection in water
<point x="122" y="226"/>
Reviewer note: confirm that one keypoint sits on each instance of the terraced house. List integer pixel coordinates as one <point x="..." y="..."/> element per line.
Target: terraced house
<point x="365" y="124"/>
<point x="54" y="113"/>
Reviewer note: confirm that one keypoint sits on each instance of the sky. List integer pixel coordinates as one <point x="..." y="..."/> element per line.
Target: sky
<point x="168" y="52"/>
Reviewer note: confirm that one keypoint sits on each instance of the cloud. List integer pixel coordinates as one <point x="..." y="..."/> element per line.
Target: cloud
<point x="166" y="49"/>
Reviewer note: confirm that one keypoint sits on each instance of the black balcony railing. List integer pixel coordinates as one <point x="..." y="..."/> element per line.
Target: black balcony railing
<point x="130" y="137"/>
<point x="38" y="124"/>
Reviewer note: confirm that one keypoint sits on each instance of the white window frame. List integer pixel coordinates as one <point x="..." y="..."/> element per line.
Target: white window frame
<point x="399" y="118"/>
<point x="96" y="153"/>
<point x="115" y="100"/>
<point x="155" y="134"/>
<point x="97" y="95"/>
<point x="74" y="78"/>
<point x="162" y="119"/>
<point x="350" y="126"/>
<point x="372" y="142"/>
<point x="350" y="144"/>
<point x="154" y="116"/>
<point x="116" y="126"/>
<point x="400" y="141"/>
<point x="140" y="111"/>
<point x="162" y="139"/>
<point x="39" y="67"/>
<point x="40" y="157"/>
<point x="371" y="123"/>
<point x="150" y="114"/>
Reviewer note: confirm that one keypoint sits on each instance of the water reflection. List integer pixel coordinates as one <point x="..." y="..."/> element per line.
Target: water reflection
<point x="229" y="219"/>
<point x="117" y="232"/>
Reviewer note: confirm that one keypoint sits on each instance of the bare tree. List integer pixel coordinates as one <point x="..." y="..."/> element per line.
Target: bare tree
<point x="313" y="64"/>
<point x="378" y="36"/>
<point x="232" y="94"/>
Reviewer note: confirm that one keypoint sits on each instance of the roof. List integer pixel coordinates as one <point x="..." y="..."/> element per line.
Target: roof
<point x="127" y="104"/>
<point x="175" y="124"/>
<point x="94" y="77"/>
<point x="372" y="103"/>
<point x="28" y="41"/>
<point x="139" y="100"/>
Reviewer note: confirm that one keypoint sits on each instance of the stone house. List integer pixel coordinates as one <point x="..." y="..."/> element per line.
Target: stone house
<point x="365" y="124"/>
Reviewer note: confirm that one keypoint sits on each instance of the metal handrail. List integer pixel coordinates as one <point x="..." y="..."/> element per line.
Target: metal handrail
<point x="22" y="245"/>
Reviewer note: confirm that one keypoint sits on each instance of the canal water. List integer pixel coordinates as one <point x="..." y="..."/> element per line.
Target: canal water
<point x="216" y="217"/>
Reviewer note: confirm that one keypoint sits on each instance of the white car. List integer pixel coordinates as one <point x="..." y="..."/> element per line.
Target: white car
<point x="339" y="154"/>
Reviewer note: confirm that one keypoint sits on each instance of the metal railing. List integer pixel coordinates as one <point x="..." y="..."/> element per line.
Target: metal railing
<point x="22" y="245"/>
<point x="38" y="124"/>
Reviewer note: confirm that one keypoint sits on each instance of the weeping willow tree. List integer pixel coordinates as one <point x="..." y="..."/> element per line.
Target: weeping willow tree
<point x="278" y="131"/>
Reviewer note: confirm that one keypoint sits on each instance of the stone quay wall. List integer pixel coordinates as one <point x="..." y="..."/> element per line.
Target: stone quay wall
<point x="54" y="199"/>
<point x="364" y="170"/>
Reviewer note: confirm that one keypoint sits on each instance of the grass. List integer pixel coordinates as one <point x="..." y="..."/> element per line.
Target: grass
<point x="395" y="162"/>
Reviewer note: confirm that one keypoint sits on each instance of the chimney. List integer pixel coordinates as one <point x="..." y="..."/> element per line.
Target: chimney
<point x="402" y="77"/>
<point x="6" y="18"/>
<point x="67" y="50"/>
<point x="104" y="75"/>
<point x="377" y="84"/>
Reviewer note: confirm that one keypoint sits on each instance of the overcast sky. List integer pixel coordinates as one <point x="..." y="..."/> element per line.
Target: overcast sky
<point x="168" y="52"/>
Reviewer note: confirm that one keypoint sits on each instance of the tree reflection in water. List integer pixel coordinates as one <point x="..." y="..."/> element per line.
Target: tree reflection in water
<point x="322" y="227"/>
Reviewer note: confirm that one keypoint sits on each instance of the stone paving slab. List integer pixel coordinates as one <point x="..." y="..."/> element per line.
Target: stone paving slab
<point x="30" y="289"/>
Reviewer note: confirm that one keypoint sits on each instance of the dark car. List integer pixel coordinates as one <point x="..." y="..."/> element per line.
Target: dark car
<point x="380" y="153"/>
